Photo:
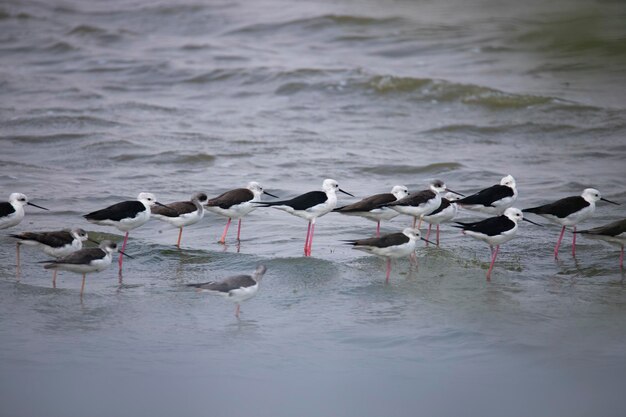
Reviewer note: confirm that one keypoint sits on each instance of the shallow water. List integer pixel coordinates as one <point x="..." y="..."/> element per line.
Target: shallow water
<point x="102" y="100"/>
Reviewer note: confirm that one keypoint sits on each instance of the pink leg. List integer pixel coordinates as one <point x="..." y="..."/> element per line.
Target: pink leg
<point x="54" y="279"/>
<point x="123" y="249"/>
<point x="428" y="233"/>
<point x="621" y="258"/>
<point x="311" y="238"/>
<point x="419" y="225"/>
<point x="223" y="238"/>
<point x="574" y="243"/>
<point x="437" y="235"/>
<point x="239" y="231"/>
<point x="556" y="248"/>
<point x="306" y="241"/>
<point x="237" y="310"/>
<point x="378" y="229"/>
<point x="388" y="270"/>
<point x="493" y="261"/>
<point x="180" y="235"/>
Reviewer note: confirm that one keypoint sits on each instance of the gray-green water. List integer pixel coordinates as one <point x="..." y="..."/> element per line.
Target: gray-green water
<point x="102" y="100"/>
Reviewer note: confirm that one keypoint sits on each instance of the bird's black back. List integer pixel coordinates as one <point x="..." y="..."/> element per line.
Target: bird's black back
<point x="117" y="212"/>
<point x="56" y="239"/>
<point x="6" y="208"/>
<point x="393" y="239"/>
<point x="367" y="204"/>
<point x="488" y="196"/>
<point x="413" y="200"/>
<point x="491" y="227"/>
<point x="560" y="208"/>
<point x="231" y="198"/>
<point x="302" y="202"/>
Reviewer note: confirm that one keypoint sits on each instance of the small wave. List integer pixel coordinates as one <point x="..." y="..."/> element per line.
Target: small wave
<point x="62" y="137"/>
<point x="86" y="30"/>
<point x="317" y="23"/>
<point x="435" y="168"/>
<point x="167" y="157"/>
<point x="59" y="122"/>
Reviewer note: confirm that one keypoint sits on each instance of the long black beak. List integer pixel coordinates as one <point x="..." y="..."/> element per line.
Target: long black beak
<point x="271" y="195"/>
<point x="125" y="254"/>
<point x="603" y="199"/>
<point x="93" y="241"/>
<point x="454" y="192"/>
<point x="43" y="208"/>
<point x="426" y="240"/>
<point x="530" y="221"/>
<point x="162" y="205"/>
<point x="345" y="192"/>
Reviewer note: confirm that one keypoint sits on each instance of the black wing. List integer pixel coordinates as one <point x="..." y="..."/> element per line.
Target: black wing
<point x="229" y="284"/>
<point x="611" y="229"/>
<point x="445" y="203"/>
<point x="491" y="227"/>
<point x="81" y="257"/>
<point x="560" y="208"/>
<point x="413" y="200"/>
<point x="231" y="198"/>
<point x="117" y="212"/>
<point x="302" y="202"/>
<point x="393" y="239"/>
<point x="6" y="209"/>
<point x="52" y="239"/>
<point x="488" y="196"/>
<point x="175" y="209"/>
<point x="367" y="204"/>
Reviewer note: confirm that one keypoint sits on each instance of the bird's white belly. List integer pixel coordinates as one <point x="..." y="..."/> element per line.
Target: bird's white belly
<point x="236" y="211"/>
<point x="242" y="294"/>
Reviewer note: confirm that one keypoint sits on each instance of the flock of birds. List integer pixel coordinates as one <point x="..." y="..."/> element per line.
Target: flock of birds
<point x="430" y="206"/>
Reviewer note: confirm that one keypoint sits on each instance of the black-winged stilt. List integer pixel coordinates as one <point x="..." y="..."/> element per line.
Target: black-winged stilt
<point x="235" y="204"/>
<point x="493" y="200"/>
<point x="12" y="212"/>
<point x="446" y="212"/>
<point x="182" y="213"/>
<point x="613" y="233"/>
<point x="569" y="211"/>
<point x="57" y="244"/>
<point x="370" y="207"/>
<point x="125" y="216"/>
<point x="394" y="245"/>
<point x="310" y="206"/>
<point x="495" y="231"/>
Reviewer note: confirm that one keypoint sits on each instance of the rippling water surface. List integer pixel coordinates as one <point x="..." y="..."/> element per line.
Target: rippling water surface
<point x="103" y="100"/>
